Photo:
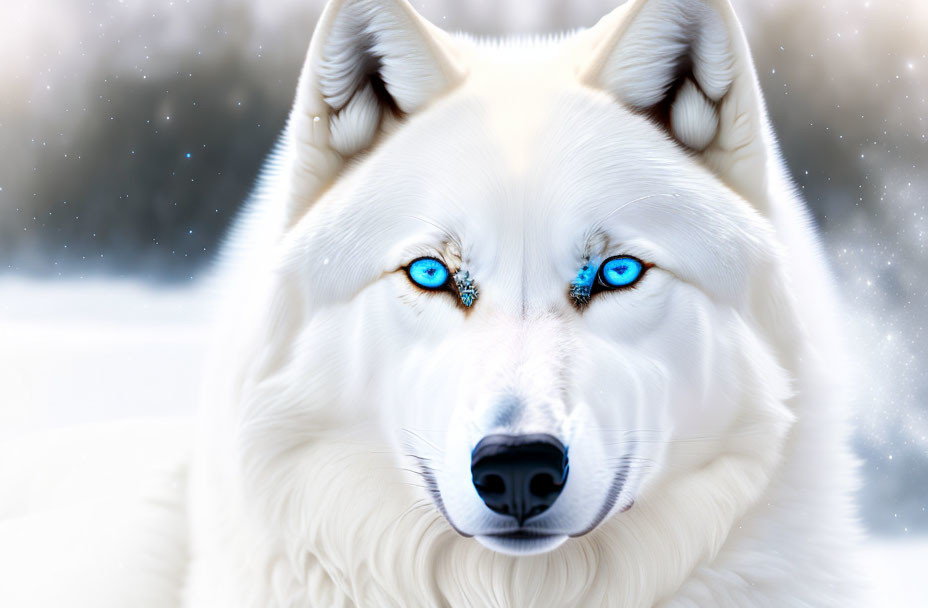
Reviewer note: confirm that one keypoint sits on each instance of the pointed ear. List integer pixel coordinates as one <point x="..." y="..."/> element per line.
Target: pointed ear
<point x="371" y="63"/>
<point x="686" y="64"/>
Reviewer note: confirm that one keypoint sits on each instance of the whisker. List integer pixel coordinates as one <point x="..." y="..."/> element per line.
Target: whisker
<point x="599" y="224"/>
<point x="424" y="440"/>
<point x="447" y="233"/>
<point x="418" y="504"/>
<point x="410" y="484"/>
<point x="691" y="438"/>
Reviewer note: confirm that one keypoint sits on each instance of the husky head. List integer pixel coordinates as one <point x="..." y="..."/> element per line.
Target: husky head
<point x="618" y="369"/>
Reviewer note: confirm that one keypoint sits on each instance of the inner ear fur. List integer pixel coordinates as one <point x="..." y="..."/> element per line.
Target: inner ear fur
<point x="685" y="65"/>
<point x="370" y="64"/>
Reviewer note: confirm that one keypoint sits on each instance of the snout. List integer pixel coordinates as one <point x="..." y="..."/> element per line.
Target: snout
<point x="519" y="475"/>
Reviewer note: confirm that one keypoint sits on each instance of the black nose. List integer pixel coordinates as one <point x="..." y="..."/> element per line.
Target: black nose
<point x="519" y="475"/>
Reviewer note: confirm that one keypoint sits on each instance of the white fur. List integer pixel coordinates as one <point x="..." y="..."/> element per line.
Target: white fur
<point x="693" y="118"/>
<point x="713" y="380"/>
<point x="642" y="55"/>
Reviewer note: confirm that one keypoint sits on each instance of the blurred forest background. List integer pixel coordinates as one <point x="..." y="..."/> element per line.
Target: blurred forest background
<point x="132" y="131"/>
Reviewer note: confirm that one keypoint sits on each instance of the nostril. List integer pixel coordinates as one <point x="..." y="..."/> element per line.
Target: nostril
<point x="491" y="484"/>
<point x="542" y="485"/>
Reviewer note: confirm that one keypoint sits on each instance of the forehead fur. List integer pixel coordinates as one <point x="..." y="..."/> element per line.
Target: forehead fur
<point x="524" y="166"/>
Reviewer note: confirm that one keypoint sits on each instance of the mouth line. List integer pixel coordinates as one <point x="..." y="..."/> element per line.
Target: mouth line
<point x="521" y="543"/>
<point x="615" y="490"/>
<point x="523" y="534"/>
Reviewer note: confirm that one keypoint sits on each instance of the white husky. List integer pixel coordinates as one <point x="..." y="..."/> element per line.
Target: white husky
<point x="526" y="323"/>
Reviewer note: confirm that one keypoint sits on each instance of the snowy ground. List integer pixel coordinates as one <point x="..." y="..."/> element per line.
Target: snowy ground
<point x="91" y="351"/>
<point x="84" y="351"/>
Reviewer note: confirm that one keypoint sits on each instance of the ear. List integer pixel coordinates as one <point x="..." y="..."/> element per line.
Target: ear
<point x="686" y="64"/>
<point x="371" y="63"/>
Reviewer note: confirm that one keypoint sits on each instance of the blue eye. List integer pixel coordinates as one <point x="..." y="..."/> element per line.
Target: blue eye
<point x="620" y="271"/>
<point x="428" y="273"/>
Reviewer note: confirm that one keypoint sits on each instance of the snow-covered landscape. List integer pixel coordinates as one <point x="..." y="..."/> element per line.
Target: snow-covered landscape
<point x="73" y="353"/>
